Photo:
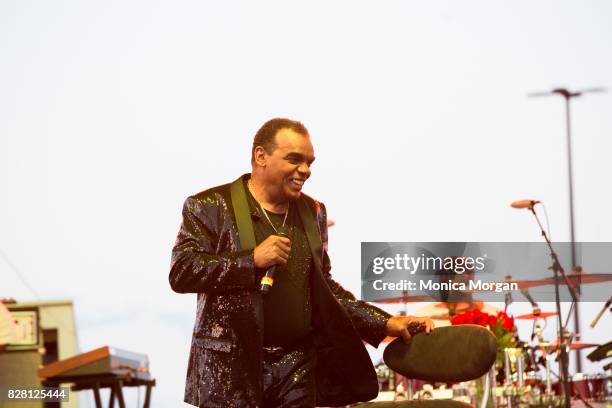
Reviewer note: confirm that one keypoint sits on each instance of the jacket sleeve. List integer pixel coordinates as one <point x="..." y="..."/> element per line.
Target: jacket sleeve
<point x="368" y="320"/>
<point x="196" y="266"/>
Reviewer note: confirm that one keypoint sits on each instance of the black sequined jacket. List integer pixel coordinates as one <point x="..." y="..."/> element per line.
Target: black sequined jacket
<point x="225" y="362"/>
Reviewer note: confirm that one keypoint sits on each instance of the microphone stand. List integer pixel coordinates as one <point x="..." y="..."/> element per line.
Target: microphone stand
<point x="568" y="96"/>
<point x="558" y="269"/>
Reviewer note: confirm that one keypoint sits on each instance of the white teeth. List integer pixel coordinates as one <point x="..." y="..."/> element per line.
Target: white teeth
<point x="298" y="182"/>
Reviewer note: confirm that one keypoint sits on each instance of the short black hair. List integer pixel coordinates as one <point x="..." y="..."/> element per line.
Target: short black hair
<point x="265" y="136"/>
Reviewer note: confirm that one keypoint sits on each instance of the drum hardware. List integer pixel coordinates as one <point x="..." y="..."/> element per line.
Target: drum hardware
<point x="548" y="376"/>
<point x="523" y="386"/>
<point x="515" y="395"/>
<point x="461" y="392"/>
<point x="559" y="275"/>
<point x="575" y="345"/>
<point x="601" y="312"/>
<point x="584" y="278"/>
<point x="533" y="316"/>
<point x="410" y="389"/>
<point x="601" y="353"/>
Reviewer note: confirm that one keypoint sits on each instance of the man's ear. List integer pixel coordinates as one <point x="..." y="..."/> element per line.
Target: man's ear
<point x="260" y="156"/>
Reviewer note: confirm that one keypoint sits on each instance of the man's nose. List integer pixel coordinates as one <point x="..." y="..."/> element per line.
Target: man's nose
<point x="304" y="169"/>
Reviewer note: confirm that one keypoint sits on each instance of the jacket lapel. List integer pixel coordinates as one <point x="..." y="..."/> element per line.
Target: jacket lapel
<point x="246" y="236"/>
<point x="312" y="233"/>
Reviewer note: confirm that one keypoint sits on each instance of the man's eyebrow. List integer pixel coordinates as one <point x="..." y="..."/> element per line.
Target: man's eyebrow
<point x="296" y="155"/>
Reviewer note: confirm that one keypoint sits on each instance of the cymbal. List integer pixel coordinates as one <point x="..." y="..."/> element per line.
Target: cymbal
<point x="404" y="299"/>
<point x="532" y="316"/>
<point x="577" y="345"/>
<point x="446" y="310"/>
<point x="574" y="278"/>
<point x="458" y="307"/>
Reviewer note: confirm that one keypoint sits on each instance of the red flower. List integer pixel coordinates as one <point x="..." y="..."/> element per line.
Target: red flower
<point x="508" y="323"/>
<point x="482" y="320"/>
<point x="458" y="319"/>
<point x="475" y="316"/>
<point x="479" y="317"/>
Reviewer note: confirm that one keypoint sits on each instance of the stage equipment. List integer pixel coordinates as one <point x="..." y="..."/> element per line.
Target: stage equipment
<point x="447" y="354"/>
<point x="524" y="203"/>
<point x="8" y="326"/>
<point x="575" y="345"/>
<point x="562" y="332"/>
<point x="568" y="95"/>
<point x="583" y="277"/>
<point x="404" y="300"/>
<point x="602" y="352"/>
<point x="534" y="304"/>
<point x="105" y="367"/>
<point x="601" y="312"/>
<point x="533" y="316"/>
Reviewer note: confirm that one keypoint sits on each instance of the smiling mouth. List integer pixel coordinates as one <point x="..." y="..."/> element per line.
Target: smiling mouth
<point x="297" y="182"/>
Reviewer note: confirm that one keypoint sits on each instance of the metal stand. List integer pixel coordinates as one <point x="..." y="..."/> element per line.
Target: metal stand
<point x="558" y="269"/>
<point x="567" y="95"/>
<point x="114" y="382"/>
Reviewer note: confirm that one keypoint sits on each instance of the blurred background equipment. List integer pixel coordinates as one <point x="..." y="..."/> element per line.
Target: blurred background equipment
<point x="105" y="367"/>
<point x="8" y="328"/>
<point x="522" y="374"/>
<point x="43" y="332"/>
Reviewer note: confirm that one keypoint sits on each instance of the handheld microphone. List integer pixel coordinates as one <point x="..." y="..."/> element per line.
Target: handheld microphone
<point x="267" y="281"/>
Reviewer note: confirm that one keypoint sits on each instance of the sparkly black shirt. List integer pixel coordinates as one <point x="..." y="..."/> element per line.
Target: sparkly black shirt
<point x="287" y="306"/>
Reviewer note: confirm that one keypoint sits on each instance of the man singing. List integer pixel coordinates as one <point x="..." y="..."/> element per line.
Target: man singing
<point x="273" y="329"/>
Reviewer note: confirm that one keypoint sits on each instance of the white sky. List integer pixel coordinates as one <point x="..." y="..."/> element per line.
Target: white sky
<point x="111" y="113"/>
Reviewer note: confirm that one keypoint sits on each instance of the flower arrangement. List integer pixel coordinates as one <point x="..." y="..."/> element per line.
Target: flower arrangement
<point x="501" y="325"/>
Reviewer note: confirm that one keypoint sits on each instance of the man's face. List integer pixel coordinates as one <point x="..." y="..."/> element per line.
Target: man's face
<point x="288" y="166"/>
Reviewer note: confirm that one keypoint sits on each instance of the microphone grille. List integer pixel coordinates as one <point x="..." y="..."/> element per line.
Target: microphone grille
<point x="284" y="231"/>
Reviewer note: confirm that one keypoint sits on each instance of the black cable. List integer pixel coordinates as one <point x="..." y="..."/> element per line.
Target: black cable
<point x="36" y="295"/>
<point x="19" y="274"/>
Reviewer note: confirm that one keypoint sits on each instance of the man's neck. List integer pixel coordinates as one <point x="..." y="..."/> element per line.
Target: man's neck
<point x="265" y="197"/>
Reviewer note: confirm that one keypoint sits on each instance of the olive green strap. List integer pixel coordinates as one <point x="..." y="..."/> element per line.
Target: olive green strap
<point x="246" y="236"/>
<point x="242" y="213"/>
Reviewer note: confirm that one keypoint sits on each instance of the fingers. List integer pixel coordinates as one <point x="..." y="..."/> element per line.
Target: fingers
<point x="427" y="324"/>
<point x="282" y="248"/>
<point x="405" y="335"/>
<point x="284" y="240"/>
<point x="273" y="251"/>
<point x="430" y="326"/>
<point x="281" y="257"/>
<point x="284" y="245"/>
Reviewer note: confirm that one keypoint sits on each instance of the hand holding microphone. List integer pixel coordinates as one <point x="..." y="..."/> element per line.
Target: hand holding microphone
<point x="273" y="251"/>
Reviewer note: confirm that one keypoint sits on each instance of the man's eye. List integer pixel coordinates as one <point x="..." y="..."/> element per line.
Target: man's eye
<point x="293" y="161"/>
